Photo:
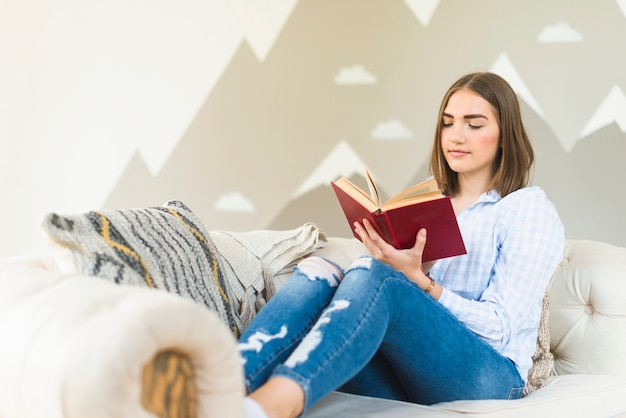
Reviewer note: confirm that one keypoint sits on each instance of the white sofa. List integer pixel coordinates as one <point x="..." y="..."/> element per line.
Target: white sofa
<point x="74" y="346"/>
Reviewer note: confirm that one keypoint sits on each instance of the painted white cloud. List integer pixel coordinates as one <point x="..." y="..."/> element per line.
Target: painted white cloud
<point x="423" y="9"/>
<point x="355" y="74"/>
<point x="612" y="109"/>
<point x="504" y="68"/>
<point x="342" y="161"/>
<point x="391" y="129"/>
<point x="559" y="33"/>
<point x="234" y="202"/>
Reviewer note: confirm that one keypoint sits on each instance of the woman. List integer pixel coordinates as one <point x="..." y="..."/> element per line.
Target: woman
<point x="393" y="327"/>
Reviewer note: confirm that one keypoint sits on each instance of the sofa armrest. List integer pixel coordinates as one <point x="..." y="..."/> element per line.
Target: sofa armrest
<point x="73" y="345"/>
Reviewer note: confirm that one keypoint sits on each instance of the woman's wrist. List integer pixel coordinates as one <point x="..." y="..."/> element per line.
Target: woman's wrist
<point x="422" y="280"/>
<point x="431" y="285"/>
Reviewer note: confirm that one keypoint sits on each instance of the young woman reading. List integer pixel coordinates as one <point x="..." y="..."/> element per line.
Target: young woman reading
<point x="393" y="327"/>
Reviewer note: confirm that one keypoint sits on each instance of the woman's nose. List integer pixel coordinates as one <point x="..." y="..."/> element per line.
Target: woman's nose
<point x="455" y="134"/>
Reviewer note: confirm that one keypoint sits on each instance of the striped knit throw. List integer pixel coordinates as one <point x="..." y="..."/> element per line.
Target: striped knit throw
<point x="160" y="247"/>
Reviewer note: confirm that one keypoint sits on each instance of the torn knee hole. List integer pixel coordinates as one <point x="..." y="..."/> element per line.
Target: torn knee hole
<point x="319" y="268"/>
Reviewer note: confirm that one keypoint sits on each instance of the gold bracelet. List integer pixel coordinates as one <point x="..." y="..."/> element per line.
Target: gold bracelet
<point x="431" y="286"/>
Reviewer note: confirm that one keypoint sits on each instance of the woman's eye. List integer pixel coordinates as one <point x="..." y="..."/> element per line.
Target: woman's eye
<point x="446" y="124"/>
<point x="474" y="126"/>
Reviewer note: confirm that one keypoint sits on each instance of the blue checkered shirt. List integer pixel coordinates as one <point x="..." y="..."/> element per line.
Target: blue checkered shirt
<point x="514" y="245"/>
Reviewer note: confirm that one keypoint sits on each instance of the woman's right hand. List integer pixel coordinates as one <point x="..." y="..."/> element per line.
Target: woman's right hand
<point x="407" y="261"/>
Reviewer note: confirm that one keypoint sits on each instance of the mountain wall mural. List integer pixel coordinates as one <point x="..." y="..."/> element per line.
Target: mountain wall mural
<point x="357" y="83"/>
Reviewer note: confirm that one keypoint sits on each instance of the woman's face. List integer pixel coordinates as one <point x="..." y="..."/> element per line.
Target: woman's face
<point x="470" y="135"/>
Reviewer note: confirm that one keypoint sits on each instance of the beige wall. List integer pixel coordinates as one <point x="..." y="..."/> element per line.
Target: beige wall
<point x="246" y="110"/>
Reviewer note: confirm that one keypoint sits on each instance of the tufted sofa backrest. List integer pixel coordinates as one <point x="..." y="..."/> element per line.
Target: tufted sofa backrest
<point x="588" y="310"/>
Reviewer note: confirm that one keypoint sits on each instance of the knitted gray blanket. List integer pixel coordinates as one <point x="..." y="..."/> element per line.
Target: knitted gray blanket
<point x="168" y="248"/>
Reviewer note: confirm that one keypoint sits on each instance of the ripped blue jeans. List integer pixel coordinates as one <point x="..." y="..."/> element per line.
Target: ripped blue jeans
<point x="373" y="333"/>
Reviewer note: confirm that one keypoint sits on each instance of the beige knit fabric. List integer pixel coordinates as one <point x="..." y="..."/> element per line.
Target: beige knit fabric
<point x="543" y="358"/>
<point x="254" y="258"/>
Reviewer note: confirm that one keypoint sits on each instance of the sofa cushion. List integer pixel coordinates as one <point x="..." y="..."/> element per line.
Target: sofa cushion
<point x="158" y="247"/>
<point x="598" y="396"/>
<point x="588" y="309"/>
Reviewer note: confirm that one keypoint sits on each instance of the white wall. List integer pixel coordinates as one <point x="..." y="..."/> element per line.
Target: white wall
<point x="87" y="86"/>
<point x="84" y="84"/>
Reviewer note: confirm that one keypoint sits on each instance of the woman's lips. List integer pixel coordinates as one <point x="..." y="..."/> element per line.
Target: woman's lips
<point x="456" y="153"/>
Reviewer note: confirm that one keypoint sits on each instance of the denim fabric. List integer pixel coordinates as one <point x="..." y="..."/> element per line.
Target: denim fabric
<point x="373" y="333"/>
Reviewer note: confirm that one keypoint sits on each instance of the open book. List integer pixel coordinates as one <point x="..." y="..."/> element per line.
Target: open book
<point x="400" y="218"/>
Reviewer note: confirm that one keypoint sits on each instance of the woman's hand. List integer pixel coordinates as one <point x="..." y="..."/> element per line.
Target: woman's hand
<point x="408" y="261"/>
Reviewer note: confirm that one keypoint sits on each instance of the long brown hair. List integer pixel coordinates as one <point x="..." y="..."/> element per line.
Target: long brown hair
<point x="511" y="169"/>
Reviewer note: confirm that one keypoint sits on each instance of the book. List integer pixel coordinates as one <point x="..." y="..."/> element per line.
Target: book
<point x="398" y="219"/>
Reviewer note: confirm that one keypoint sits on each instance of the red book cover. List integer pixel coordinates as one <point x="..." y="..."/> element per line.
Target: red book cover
<point x="399" y="225"/>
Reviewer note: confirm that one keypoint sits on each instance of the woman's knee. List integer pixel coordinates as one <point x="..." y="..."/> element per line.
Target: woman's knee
<point x="319" y="268"/>
<point x="368" y="269"/>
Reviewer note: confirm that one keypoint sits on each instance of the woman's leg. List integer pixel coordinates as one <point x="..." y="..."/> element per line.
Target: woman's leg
<point x="347" y="335"/>
<point x="433" y="355"/>
<point x="281" y="324"/>
<point x="436" y="360"/>
<point x="377" y="379"/>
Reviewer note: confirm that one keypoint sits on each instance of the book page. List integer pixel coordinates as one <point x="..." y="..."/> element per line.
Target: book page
<point x="373" y="189"/>
<point x="426" y="190"/>
<point x="358" y="194"/>
<point x="423" y="197"/>
<point x="427" y="186"/>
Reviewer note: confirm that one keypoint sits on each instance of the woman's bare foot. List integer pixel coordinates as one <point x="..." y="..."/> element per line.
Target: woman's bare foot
<point x="280" y="397"/>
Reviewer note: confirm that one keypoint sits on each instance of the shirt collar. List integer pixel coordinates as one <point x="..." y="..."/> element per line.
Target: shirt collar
<point x="492" y="196"/>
